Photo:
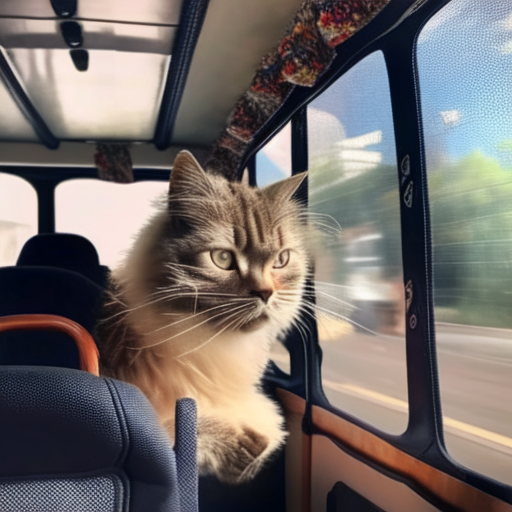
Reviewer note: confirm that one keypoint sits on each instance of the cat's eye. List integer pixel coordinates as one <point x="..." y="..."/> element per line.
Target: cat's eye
<point x="223" y="259"/>
<point x="282" y="259"/>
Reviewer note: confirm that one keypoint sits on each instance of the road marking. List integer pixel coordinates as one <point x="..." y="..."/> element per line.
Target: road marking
<point x="477" y="434"/>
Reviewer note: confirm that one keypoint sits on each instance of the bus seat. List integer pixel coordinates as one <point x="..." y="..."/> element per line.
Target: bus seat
<point x="45" y="290"/>
<point x="64" y="250"/>
<point x="74" y="441"/>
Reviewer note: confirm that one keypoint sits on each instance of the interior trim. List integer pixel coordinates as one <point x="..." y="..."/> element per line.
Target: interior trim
<point x="87" y="350"/>
<point x="191" y="22"/>
<point x="297" y="406"/>
<point x="446" y="488"/>
<point x="305" y="490"/>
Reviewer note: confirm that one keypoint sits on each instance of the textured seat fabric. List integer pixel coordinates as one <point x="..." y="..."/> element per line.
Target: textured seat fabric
<point x="186" y="450"/>
<point x="93" y="443"/>
<point x="67" y="251"/>
<point x="45" y="290"/>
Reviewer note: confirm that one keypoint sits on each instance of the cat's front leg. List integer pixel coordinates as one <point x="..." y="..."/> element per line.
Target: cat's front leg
<point x="227" y="451"/>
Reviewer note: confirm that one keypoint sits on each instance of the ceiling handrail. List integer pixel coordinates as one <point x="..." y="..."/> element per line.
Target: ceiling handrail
<point x="18" y="94"/>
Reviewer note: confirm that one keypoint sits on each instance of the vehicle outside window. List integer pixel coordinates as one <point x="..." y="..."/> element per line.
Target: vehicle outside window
<point x="108" y="214"/>
<point x="464" y="56"/>
<point x="354" y="201"/>
<point x="18" y="216"/>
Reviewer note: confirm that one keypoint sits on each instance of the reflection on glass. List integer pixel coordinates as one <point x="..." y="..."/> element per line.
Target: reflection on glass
<point x="274" y="161"/>
<point x="354" y="201"/>
<point x="108" y="214"/>
<point x="18" y="216"/>
<point x="465" y="70"/>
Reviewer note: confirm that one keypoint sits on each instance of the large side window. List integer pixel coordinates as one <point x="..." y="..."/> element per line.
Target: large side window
<point x="465" y="72"/>
<point x="354" y="201"/>
<point x="18" y="216"/>
<point x="108" y="214"/>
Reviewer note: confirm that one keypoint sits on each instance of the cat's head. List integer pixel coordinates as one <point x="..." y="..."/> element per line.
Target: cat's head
<point x="231" y="254"/>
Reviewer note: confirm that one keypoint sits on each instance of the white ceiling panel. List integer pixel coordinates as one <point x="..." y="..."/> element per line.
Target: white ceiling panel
<point x="235" y="36"/>
<point x="13" y="125"/>
<point x="117" y="98"/>
<point x="159" y="12"/>
<point x="24" y="33"/>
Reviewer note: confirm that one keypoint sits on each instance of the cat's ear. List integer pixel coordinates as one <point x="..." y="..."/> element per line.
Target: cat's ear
<point x="283" y="190"/>
<point x="187" y="176"/>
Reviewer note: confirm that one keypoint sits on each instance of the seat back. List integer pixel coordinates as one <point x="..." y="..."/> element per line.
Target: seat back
<point x="72" y="441"/>
<point x="64" y="250"/>
<point x="45" y="290"/>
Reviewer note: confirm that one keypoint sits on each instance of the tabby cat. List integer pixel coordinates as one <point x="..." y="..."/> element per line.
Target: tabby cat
<point x="210" y="283"/>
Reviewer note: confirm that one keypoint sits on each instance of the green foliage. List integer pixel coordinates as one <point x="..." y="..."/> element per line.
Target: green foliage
<point x="471" y="212"/>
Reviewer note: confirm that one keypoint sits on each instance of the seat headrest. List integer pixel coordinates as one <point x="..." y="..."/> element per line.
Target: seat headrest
<point x="51" y="291"/>
<point x="58" y="250"/>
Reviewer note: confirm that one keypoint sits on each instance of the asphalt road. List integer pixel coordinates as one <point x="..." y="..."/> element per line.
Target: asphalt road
<point x="365" y="376"/>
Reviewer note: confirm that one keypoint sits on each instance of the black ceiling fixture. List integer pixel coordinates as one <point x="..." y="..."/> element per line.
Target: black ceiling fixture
<point x="64" y="8"/>
<point x="80" y="59"/>
<point x="72" y="33"/>
<point x="191" y="21"/>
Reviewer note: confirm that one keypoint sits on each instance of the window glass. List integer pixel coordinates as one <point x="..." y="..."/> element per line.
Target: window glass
<point x="18" y="216"/>
<point x="465" y="72"/>
<point x="354" y="200"/>
<point x="108" y="214"/>
<point x="274" y="161"/>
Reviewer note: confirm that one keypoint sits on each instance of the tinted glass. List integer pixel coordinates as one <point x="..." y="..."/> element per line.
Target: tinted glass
<point x="274" y="161"/>
<point x="354" y="200"/>
<point x="18" y="216"/>
<point x="465" y="71"/>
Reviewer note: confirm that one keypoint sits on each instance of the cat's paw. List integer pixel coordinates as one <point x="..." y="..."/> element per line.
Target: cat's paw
<point x="242" y="463"/>
<point x="234" y="455"/>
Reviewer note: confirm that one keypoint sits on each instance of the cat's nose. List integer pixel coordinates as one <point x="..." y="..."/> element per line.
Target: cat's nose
<point x="264" y="295"/>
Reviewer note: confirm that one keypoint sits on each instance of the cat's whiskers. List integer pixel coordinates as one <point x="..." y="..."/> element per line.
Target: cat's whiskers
<point x="312" y="309"/>
<point x="188" y="317"/>
<point x="210" y="339"/>
<point x="187" y="330"/>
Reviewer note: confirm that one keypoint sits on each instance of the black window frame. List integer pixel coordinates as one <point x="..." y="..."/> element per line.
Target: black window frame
<point x="424" y="436"/>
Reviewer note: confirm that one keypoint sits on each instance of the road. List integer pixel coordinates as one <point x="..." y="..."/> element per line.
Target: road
<point x="365" y="376"/>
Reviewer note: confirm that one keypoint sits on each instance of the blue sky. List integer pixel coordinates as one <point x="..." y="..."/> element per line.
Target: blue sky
<point x="465" y="67"/>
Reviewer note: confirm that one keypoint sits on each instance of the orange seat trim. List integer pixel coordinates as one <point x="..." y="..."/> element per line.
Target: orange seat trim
<point x="87" y="350"/>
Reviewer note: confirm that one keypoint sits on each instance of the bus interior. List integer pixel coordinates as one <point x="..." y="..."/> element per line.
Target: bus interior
<point x="395" y="393"/>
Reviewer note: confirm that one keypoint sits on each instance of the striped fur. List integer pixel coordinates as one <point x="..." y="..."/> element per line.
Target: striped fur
<point x="175" y="324"/>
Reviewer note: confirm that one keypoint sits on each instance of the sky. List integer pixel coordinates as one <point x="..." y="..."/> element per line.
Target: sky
<point x="465" y="70"/>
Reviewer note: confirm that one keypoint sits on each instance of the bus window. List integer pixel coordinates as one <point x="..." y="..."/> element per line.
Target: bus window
<point x="18" y="216"/>
<point x="354" y="200"/>
<point x="108" y="214"/>
<point x="274" y="161"/>
<point x="465" y="72"/>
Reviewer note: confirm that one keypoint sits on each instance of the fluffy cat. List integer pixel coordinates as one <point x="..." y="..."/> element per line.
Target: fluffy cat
<point x="210" y="283"/>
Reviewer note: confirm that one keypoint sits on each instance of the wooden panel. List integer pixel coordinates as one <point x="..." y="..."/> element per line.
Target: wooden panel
<point x="445" y="487"/>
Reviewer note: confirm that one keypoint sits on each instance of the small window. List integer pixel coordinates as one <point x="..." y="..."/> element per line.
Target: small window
<point x="108" y="214"/>
<point x="354" y="200"/>
<point x="18" y="216"/>
<point x="274" y="160"/>
<point x="465" y="74"/>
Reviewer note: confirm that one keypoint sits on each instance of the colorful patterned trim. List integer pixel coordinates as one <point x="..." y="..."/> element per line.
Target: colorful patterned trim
<point x="114" y="162"/>
<point x="305" y="52"/>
